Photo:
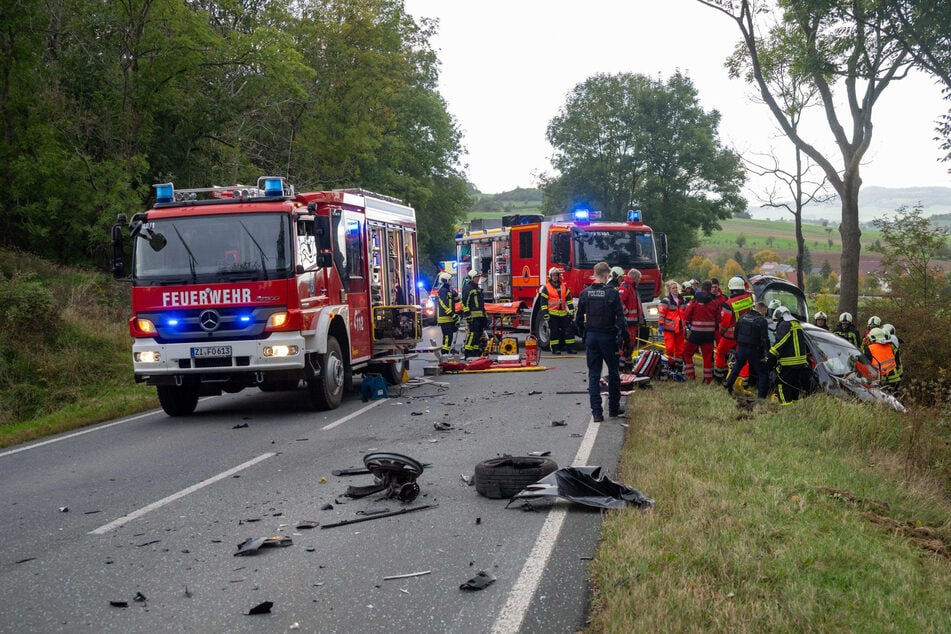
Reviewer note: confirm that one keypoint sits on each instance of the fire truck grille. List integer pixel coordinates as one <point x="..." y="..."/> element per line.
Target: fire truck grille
<point x="215" y="362"/>
<point x="210" y="325"/>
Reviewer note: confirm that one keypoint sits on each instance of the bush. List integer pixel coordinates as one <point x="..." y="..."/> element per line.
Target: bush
<point x="28" y="309"/>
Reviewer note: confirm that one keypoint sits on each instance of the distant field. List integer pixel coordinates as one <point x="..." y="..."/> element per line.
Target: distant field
<point x="780" y="236"/>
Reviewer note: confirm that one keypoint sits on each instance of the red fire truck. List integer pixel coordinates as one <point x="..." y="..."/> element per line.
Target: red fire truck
<point x="236" y="287"/>
<point x="516" y="252"/>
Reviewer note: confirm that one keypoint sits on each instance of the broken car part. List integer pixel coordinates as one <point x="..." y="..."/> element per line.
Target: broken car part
<point x="585" y="485"/>
<point x="395" y="474"/>
<point x="479" y="582"/>
<point x="261" y="608"/>
<point x="403" y="511"/>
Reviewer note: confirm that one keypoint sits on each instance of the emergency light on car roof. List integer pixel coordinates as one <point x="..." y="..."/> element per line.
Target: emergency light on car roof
<point x="164" y="193"/>
<point x="582" y="215"/>
<point x="273" y="185"/>
<point x="634" y="215"/>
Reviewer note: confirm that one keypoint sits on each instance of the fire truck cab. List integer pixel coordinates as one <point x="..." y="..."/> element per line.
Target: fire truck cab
<point x="236" y="287"/>
<point x="516" y="252"/>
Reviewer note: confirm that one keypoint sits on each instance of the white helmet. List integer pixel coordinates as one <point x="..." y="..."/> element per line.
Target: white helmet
<point x="773" y="305"/>
<point x="617" y="272"/>
<point x="821" y="315"/>
<point x="888" y="329"/>
<point x="877" y="335"/>
<point x="445" y="278"/>
<point x="736" y="283"/>
<point x="473" y="273"/>
<point x="779" y="312"/>
<point x="874" y="321"/>
<point x="846" y="317"/>
<point x="554" y="270"/>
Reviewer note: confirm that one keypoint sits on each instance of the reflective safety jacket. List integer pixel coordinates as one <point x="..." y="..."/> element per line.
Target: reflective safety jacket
<point x="850" y="334"/>
<point x="701" y="316"/>
<point x="670" y="313"/>
<point x="556" y="300"/>
<point x="631" y="302"/>
<point x="735" y="307"/>
<point x="473" y="302"/>
<point x="446" y="300"/>
<point x="883" y="358"/>
<point x="790" y="348"/>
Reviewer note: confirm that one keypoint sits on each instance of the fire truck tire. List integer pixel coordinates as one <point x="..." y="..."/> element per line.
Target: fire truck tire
<point x="178" y="400"/>
<point x="393" y="372"/>
<point x="326" y="389"/>
<point x="541" y="332"/>
<point x="504" y="477"/>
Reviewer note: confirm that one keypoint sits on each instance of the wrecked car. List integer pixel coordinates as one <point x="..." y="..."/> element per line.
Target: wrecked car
<point x="766" y="288"/>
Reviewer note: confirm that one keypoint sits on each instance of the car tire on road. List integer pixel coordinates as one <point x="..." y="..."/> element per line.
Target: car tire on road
<point x="506" y="476"/>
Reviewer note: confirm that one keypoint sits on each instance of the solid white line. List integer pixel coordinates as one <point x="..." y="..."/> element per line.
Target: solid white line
<point x="78" y="433"/>
<point x="510" y="618"/>
<point x="105" y="528"/>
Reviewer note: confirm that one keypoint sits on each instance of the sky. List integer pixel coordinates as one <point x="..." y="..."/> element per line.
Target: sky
<point x="507" y="68"/>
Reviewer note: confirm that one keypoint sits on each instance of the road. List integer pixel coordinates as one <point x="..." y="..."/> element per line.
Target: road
<point x="157" y="506"/>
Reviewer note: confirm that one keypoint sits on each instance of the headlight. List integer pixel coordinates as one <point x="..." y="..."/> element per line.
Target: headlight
<point x="280" y="351"/>
<point x="147" y="356"/>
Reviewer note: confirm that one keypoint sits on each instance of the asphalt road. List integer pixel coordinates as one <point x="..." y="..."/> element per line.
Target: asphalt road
<point x="157" y="506"/>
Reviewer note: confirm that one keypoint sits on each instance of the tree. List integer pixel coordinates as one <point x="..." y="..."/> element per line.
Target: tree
<point x="826" y="269"/>
<point x="828" y="44"/>
<point x="766" y="255"/>
<point x="909" y="244"/>
<point x="627" y="139"/>
<point x="740" y="240"/>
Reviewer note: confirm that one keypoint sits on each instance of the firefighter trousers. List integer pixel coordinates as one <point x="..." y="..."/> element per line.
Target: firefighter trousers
<point x="476" y="327"/>
<point x="706" y="350"/>
<point x="792" y="383"/>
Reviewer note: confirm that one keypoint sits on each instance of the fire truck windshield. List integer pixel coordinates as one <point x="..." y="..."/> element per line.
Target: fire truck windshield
<point x="216" y="248"/>
<point x="617" y="248"/>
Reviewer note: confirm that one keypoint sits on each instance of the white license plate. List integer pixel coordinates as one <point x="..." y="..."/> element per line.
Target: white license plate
<point x="211" y="351"/>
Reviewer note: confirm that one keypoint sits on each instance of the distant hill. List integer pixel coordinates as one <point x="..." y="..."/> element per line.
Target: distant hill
<point x="874" y="202"/>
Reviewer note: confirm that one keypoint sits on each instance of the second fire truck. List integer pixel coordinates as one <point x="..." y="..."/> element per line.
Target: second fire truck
<point x="516" y="252"/>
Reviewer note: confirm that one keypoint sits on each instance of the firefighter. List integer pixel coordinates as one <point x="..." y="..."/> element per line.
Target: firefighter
<point x="847" y="330"/>
<point x="670" y="322"/>
<point x="601" y="318"/>
<point x="820" y="319"/>
<point x="690" y="287"/>
<point x="882" y="355"/>
<point x="873" y="322"/>
<point x="446" y="316"/>
<point x="614" y="281"/>
<point x="788" y="356"/>
<point x="752" y="342"/>
<point x="895" y="342"/>
<point x="739" y="303"/>
<point x="700" y="317"/>
<point x="557" y="309"/>
<point x="473" y="308"/>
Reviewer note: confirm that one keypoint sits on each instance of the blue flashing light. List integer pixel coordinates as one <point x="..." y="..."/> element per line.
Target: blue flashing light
<point x="633" y="215"/>
<point x="164" y="193"/>
<point x="172" y="321"/>
<point x="244" y="319"/>
<point x="582" y="215"/>
<point x="273" y="186"/>
<point x="421" y="284"/>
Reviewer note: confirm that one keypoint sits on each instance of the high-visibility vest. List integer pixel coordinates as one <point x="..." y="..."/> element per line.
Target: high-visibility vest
<point x="791" y="348"/>
<point x="735" y="308"/>
<point x="556" y="299"/>
<point x="670" y="314"/>
<point x="446" y="300"/>
<point x="883" y="358"/>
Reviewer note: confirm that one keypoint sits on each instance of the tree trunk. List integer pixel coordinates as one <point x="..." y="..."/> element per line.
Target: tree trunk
<point x="851" y="243"/>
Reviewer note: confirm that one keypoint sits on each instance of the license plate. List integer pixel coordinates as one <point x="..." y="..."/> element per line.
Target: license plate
<point x="211" y="351"/>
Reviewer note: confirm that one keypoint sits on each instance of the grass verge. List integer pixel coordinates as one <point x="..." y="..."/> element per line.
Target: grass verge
<point x="800" y="518"/>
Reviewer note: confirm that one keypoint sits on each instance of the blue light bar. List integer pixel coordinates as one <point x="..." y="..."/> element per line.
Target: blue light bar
<point x="172" y="321"/>
<point x="244" y="319"/>
<point x="164" y="193"/>
<point x="633" y="215"/>
<point x="273" y="186"/>
<point x="582" y="215"/>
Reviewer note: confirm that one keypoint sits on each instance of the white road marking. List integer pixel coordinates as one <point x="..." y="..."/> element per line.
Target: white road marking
<point x="105" y="528"/>
<point x="341" y="421"/>
<point x="78" y="433"/>
<point x="510" y="618"/>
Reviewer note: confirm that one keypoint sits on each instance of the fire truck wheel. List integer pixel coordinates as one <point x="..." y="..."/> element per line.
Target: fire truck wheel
<point x="540" y="329"/>
<point x="393" y="372"/>
<point x="178" y="400"/>
<point x="326" y="389"/>
<point x="506" y="476"/>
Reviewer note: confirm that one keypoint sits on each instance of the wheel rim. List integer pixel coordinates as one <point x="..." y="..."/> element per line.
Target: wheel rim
<point x="381" y="463"/>
<point x="335" y="372"/>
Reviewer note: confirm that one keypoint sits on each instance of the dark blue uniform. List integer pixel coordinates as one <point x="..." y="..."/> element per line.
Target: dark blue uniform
<point x="600" y="317"/>
<point x="752" y="342"/>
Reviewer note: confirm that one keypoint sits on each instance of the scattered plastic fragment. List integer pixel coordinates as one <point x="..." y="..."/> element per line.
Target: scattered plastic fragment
<point x="558" y="423"/>
<point x="403" y="511"/>
<point x="469" y="480"/>
<point x="139" y="598"/>
<point x="119" y="604"/>
<point x="251" y="545"/>
<point x="442" y="426"/>
<point x="294" y="626"/>
<point x="408" y="575"/>
<point x="149" y="543"/>
<point x="323" y="480"/>
<point x="539" y="454"/>
<point x="23" y="561"/>
<point x="351" y="471"/>
<point x="64" y="509"/>
<point x="306" y="524"/>
<point x="91" y="512"/>
<point x="261" y="608"/>
<point x="585" y="485"/>
<point x="241" y="426"/>
<point x="481" y="581"/>
<point x="327" y="507"/>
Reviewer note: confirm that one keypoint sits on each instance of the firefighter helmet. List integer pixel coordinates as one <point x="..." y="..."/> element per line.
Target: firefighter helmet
<point x="888" y="329"/>
<point x="553" y="271"/>
<point x="736" y="283"/>
<point x="617" y="272"/>
<point x="874" y="321"/>
<point x="773" y="305"/>
<point x="473" y="274"/>
<point x="846" y="317"/>
<point x="877" y="335"/>
<point x="821" y="315"/>
<point x="780" y="312"/>
<point x="445" y="278"/>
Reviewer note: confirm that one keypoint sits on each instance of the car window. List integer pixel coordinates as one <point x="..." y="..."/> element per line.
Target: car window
<point x="838" y="355"/>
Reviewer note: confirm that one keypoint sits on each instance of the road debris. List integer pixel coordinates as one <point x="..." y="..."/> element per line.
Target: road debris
<point x="304" y="524"/>
<point x="393" y="473"/>
<point x="408" y="575"/>
<point x="119" y="604"/>
<point x="584" y="485"/>
<point x="442" y="426"/>
<point x="240" y="426"/>
<point x="402" y="511"/>
<point x="261" y="608"/>
<point x="481" y="581"/>
<point x="558" y="423"/>
<point x="252" y="545"/>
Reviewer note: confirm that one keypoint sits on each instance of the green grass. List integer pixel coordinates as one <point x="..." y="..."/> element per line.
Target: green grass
<point x="779" y="236"/>
<point x="800" y="518"/>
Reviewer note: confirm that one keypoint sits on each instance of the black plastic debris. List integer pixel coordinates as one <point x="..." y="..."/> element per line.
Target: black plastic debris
<point x="351" y="471"/>
<point x="402" y="511"/>
<point x="558" y="423"/>
<point x="241" y="426"/>
<point x="327" y="507"/>
<point x="539" y="454"/>
<point x="261" y="608"/>
<point x="304" y="524"/>
<point x="23" y="561"/>
<point x="119" y="604"/>
<point x="481" y="581"/>
<point x="585" y="485"/>
<point x="139" y="598"/>
<point x="394" y="474"/>
<point x="442" y="426"/>
<point x="252" y="545"/>
<point x="64" y="509"/>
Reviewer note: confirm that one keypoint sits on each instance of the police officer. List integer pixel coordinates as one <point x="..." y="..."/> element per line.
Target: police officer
<point x="473" y="307"/>
<point x="601" y="318"/>
<point x="752" y="342"/>
<point x="446" y="317"/>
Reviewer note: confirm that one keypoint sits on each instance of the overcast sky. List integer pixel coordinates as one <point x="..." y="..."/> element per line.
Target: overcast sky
<point x="508" y="66"/>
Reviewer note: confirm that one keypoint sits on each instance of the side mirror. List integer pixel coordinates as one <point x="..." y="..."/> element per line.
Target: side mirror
<point x="118" y="266"/>
<point x="661" y="239"/>
<point x="325" y="260"/>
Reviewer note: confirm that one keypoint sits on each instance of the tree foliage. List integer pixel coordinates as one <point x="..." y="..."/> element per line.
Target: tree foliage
<point x="100" y="100"/>
<point x="629" y="140"/>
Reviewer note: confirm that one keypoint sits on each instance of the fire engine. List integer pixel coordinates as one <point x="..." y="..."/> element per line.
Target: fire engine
<point x="516" y="252"/>
<point x="236" y="287"/>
